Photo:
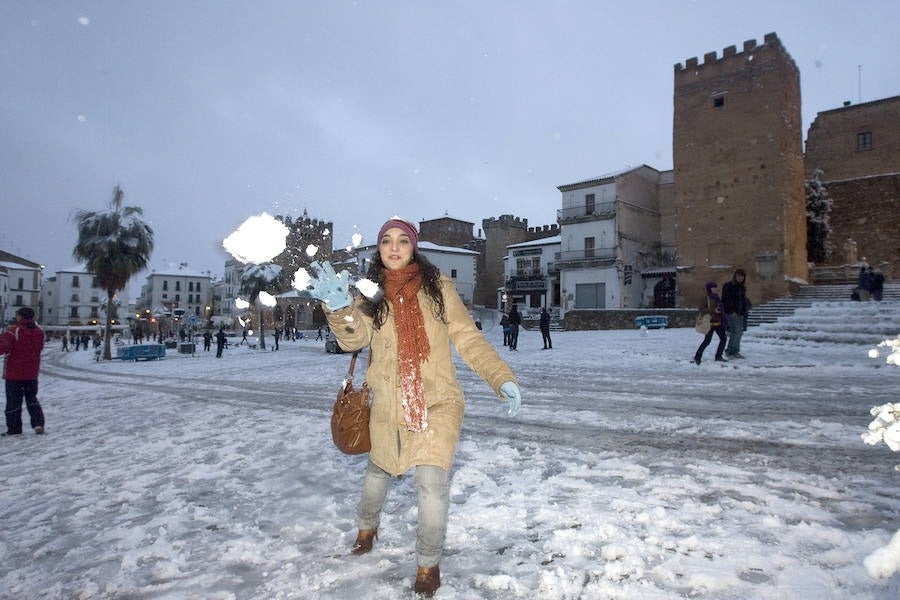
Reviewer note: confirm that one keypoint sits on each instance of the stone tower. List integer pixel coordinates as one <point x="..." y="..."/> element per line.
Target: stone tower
<point x="303" y="232"/>
<point x="739" y="172"/>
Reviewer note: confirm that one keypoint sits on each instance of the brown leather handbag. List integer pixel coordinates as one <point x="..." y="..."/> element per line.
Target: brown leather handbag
<point x="350" y="419"/>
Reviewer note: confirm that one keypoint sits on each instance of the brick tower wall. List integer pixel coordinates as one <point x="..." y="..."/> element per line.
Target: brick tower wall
<point x="738" y="169"/>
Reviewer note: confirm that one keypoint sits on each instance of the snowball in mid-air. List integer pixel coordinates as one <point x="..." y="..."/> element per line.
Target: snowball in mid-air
<point x="241" y="304"/>
<point x="356" y="239"/>
<point x="311" y="250"/>
<point x="873" y="353"/>
<point x="368" y="288"/>
<point x="267" y="299"/>
<point x="301" y="279"/>
<point x="259" y="239"/>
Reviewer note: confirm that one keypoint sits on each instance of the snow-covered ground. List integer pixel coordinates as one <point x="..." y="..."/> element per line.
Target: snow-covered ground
<point x="630" y="473"/>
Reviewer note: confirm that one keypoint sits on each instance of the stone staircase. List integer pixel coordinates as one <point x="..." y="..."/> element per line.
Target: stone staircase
<point x="835" y="322"/>
<point x="807" y="295"/>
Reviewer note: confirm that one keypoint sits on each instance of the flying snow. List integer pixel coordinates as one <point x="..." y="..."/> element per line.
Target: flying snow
<point x="267" y="299"/>
<point x="259" y="239"/>
<point x="311" y="250"/>
<point x="241" y="304"/>
<point x="368" y="288"/>
<point x="301" y="279"/>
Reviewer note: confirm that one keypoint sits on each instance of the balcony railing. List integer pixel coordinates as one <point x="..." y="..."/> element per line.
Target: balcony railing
<point x="587" y="254"/>
<point x="586" y="211"/>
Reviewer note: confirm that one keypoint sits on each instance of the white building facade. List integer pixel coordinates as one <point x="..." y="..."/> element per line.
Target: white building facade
<point x="532" y="277"/>
<point x="21" y="286"/>
<point x="610" y="232"/>
<point x="177" y="287"/>
<point x="72" y="297"/>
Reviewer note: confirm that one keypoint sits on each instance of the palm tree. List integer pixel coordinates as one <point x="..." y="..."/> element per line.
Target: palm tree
<point x="114" y="244"/>
<point x="256" y="279"/>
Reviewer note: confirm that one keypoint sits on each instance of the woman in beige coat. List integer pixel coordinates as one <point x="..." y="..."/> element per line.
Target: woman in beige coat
<point x="418" y="405"/>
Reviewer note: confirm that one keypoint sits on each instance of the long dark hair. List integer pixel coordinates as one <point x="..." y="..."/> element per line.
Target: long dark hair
<point x="378" y="308"/>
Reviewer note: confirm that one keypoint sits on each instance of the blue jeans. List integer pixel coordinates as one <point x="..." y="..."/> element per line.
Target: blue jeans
<point x="433" y="487"/>
<point x="734" y="324"/>
<point x="16" y="392"/>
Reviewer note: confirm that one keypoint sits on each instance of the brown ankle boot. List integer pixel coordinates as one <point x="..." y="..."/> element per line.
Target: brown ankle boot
<point x="364" y="541"/>
<point x="428" y="580"/>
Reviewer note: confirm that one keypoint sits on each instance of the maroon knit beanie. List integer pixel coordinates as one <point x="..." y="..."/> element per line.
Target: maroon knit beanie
<point x="407" y="227"/>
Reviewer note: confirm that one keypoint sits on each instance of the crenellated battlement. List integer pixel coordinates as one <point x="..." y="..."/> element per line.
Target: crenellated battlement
<point x="730" y="52"/>
<point x="304" y="222"/>
<point x="554" y="229"/>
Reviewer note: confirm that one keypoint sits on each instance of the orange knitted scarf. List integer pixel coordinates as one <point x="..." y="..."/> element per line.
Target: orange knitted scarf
<point x="401" y="287"/>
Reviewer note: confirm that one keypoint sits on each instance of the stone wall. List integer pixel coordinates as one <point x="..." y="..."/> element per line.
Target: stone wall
<point x="833" y="143"/>
<point x="867" y="210"/>
<point x="580" y="320"/>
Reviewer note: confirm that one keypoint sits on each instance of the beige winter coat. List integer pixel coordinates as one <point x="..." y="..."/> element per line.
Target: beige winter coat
<point x="394" y="448"/>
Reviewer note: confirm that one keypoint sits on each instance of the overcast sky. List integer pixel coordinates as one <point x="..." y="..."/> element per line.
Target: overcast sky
<point x="209" y="112"/>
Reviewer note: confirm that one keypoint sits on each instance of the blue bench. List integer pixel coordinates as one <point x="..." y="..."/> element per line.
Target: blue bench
<point x="652" y="322"/>
<point x="142" y="352"/>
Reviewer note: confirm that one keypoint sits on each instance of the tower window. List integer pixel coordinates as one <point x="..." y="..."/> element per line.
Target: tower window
<point x="864" y="140"/>
<point x="719" y="101"/>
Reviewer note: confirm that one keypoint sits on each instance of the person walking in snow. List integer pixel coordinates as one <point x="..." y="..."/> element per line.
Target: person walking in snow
<point x="713" y="305"/>
<point x="207" y="340"/>
<point x="504" y="325"/>
<point x="545" y="328"/>
<point x="515" y="320"/>
<point x="220" y="342"/>
<point x="22" y="344"/>
<point x="736" y="306"/>
<point x="418" y="404"/>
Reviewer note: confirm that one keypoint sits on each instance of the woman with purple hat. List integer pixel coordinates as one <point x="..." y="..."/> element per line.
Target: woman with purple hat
<point x="713" y="305"/>
<point x="409" y="322"/>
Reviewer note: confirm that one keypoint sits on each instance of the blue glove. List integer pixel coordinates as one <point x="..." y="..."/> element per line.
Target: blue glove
<point x="510" y="392"/>
<point x="329" y="287"/>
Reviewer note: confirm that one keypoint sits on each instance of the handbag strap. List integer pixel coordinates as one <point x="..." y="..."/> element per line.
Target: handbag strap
<point x="353" y="362"/>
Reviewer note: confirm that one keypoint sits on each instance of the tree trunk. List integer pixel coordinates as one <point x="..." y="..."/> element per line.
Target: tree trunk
<point x="262" y="330"/>
<point x="107" y="352"/>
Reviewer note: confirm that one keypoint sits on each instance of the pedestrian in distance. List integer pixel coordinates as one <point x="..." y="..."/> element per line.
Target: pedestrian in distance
<point x="207" y="340"/>
<point x="504" y="325"/>
<point x="417" y="411"/>
<point x="713" y="305"/>
<point x="877" y="285"/>
<point x="515" y="321"/>
<point x="864" y="283"/>
<point x="220" y="342"/>
<point x="545" y="328"/>
<point x="736" y="306"/>
<point x="22" y="344"/>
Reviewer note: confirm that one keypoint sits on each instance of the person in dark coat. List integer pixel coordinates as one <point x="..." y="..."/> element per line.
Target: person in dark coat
<point x="877" y="285"/>
<point x="545" y="328"/>
<point x="220" y="342"/>
<point x="504" y="326"/>
<point x="207" y="340"/>
<point x="864" y="283"/>
<point x="515" y="320"/>
<point x="717" y="323"/>
<point x="736" y="306"/>
<point x="22" y="344"/>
